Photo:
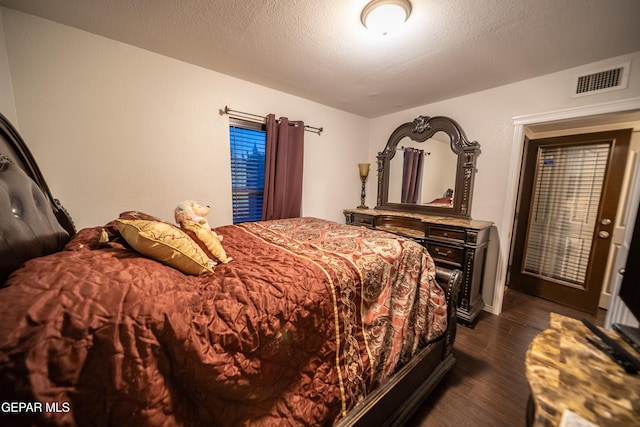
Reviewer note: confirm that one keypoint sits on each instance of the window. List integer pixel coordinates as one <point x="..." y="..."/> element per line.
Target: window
<point x="247" y="141"/>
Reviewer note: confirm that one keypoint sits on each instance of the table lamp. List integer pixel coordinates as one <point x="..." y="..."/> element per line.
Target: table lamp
<point x="364" y="173"/>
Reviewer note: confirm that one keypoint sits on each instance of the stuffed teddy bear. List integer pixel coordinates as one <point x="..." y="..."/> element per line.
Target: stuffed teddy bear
<point x="192" y="211"/>
<point x="191" y="217"/>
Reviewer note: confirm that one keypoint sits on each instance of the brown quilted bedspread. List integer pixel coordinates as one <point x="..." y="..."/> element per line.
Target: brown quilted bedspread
<point x="306" y="320"/>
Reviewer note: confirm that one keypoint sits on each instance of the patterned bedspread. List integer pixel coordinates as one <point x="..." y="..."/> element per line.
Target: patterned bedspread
<point x="308" y="318"/>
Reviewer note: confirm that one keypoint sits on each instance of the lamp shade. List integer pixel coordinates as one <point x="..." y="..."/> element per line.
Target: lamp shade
<point x="364" y="169"/>
<point x="384" y="16"/>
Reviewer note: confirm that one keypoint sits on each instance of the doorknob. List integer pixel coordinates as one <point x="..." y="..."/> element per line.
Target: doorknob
<point x="605" y="221"/>
<point x="604" y="234"/>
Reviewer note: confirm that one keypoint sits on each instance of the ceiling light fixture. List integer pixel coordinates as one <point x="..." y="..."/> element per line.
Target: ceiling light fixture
<point x="384" y="16"/>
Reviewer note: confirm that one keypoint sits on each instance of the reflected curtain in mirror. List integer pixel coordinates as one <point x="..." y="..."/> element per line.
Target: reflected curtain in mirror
<point x="412" y="174"/>
<point x="283" y="168"/>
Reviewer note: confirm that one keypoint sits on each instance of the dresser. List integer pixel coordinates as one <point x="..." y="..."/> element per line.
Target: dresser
<point x="453" y="243"/>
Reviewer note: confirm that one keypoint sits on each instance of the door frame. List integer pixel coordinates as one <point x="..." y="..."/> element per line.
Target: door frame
<point x="586" y="295"/>
<point x="521" y="126"/>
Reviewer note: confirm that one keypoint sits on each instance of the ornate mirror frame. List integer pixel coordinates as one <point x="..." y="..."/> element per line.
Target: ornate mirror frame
<point x="421" y="129"/>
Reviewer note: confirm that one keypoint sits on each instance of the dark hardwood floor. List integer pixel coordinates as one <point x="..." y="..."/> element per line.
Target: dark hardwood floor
<point x="487" y="386"/>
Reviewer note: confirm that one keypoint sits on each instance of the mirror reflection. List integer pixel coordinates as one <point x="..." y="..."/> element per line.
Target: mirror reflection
<point x="423" y="173"/>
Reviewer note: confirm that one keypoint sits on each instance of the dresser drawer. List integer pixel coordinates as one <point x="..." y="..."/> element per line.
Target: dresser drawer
<point x="364" y="220"/>
<point x="408" y="227"/>
<point x="446" y="254"/>
<point x="447" y="233"/>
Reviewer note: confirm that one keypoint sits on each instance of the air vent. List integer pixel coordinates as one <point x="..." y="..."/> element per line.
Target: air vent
<point x="602" y="81"/>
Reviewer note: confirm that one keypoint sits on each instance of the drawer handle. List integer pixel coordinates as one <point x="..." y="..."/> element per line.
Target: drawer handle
<point x="445" y="234"/>
<point x="447" y="253"/>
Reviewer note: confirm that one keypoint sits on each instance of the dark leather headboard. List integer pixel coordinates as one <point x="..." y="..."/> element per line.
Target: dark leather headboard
<point x="32" y="222"/>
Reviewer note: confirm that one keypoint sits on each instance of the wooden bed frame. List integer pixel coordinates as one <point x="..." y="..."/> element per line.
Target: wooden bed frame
<point x="389" y="405"/>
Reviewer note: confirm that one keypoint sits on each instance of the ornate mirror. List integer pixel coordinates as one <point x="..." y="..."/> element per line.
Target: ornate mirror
<point x="428" y="167"/>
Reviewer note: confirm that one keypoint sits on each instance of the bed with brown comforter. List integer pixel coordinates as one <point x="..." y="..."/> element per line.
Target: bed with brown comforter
<point x="311" y="323"/>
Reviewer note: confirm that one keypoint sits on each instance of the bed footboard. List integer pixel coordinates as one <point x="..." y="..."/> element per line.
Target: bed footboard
<point x="450" y="280"/>
<point x="393" y="403"/>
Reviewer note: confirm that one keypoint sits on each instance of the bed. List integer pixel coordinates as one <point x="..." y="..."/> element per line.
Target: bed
<point x="311" y="323"/>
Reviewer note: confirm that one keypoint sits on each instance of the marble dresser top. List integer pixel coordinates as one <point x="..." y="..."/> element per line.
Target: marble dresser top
<point x="444" y="220"/>
<point x="565" y="372"/>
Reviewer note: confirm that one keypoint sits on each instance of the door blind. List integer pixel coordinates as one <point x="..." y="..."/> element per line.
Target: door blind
<point x="564" y="210"/>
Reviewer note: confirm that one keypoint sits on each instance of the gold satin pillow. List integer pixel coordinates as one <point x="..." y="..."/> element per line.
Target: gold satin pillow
<point x="210" y="242"/>
<point x="165" y="243"/>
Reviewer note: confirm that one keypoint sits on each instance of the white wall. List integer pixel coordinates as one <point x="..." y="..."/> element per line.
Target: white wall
<point x="7" y="100"/>
<point x="118" y="128"/>
<point x="488" y="117"/>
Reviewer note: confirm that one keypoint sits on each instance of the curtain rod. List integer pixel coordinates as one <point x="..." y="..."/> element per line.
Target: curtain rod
<point x="228" y="111"/>
<point x="403" y="148"/>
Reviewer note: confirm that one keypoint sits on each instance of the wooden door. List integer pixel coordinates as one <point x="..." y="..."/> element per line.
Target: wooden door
<point x="568" y="197"/>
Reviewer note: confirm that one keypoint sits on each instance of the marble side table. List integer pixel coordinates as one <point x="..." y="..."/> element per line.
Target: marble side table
<point x="566" y="373"/>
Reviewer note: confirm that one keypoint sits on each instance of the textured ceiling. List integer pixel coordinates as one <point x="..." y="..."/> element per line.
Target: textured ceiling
<point x="318" y="49"/>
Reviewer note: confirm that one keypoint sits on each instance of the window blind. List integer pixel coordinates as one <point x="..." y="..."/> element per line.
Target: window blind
<point x="247" y="172"/>
<point x="564" y="210"/>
